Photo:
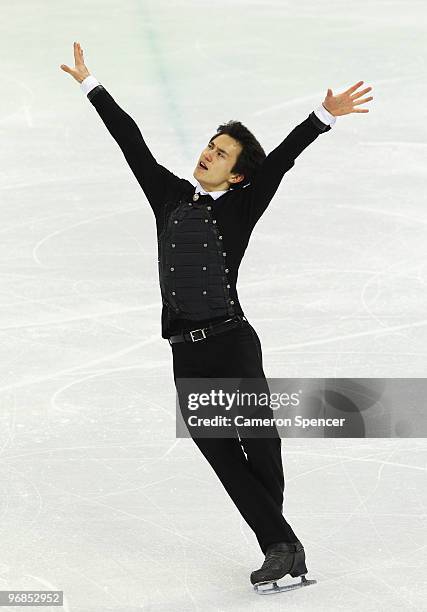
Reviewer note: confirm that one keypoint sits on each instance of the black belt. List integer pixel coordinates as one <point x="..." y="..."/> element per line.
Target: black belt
<point x="211" y="330"/>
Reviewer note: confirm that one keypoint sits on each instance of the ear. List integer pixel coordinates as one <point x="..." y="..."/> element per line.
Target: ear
<point x="237" y="178"/>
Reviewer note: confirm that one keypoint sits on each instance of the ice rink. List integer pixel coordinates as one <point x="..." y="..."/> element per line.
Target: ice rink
<point x="98" y="497"/>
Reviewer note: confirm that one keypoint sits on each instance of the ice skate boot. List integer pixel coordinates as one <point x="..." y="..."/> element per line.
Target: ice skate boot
<point x="281" y="559"/>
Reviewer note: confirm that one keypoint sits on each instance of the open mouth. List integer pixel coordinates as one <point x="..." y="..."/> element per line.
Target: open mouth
<point x="203" y="166"/>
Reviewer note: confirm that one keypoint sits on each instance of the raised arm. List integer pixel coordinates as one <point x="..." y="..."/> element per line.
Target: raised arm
<point x="267" y="179"/>
<point x="155" y="180"/>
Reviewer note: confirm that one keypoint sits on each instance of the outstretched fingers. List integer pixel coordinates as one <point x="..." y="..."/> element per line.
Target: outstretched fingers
<point x="355" y="97"/>
<point x="78" y="54"/>
<point x="354" y="87"/>
<point x="360" y="93"/>
<point x="363" y="100"/>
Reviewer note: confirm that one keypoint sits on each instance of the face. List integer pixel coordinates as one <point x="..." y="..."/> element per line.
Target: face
<point x="219" y="157"/>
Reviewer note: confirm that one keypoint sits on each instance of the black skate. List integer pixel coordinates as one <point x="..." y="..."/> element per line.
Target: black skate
<point x="281" y="559"/>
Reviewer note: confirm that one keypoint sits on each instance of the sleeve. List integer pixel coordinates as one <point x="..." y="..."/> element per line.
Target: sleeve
<point x="156" y="181"/>
<point x="266" y="181"/>
<point x="324" y="115"/>
<point x="89" y="83"/>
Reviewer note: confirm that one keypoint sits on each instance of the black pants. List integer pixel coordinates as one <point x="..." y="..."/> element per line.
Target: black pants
<point x="256" y="483"/>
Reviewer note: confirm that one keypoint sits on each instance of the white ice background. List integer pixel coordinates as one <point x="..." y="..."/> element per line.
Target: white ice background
<point x="98" y="498"/>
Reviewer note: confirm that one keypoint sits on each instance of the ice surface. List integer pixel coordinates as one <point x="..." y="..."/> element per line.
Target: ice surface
<point x="98" y="497"/>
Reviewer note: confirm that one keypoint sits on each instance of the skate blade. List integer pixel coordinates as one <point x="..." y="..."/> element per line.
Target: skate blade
<point x="271" y="587"/>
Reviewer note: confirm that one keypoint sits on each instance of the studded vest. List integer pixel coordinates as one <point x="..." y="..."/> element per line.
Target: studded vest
<point x="193" y="263"/>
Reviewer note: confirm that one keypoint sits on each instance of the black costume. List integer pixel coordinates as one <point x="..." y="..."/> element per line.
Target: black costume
<point x="201" y="244"/>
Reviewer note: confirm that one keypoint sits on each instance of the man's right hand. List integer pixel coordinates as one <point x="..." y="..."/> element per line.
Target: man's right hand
<point x="79" y="72"/>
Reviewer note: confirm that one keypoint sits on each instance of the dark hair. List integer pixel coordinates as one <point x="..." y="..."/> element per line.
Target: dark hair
<point x="252" y="154"/>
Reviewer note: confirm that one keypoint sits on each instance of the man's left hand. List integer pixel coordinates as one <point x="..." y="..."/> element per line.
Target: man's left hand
<point x="344" y="103"/>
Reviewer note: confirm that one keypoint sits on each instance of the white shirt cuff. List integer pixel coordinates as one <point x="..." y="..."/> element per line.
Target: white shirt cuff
<point x="324" y="115"/>
<point x="89" y="83"/>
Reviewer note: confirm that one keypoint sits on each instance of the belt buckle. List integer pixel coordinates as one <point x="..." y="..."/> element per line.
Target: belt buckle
<point x="194" y="331"/>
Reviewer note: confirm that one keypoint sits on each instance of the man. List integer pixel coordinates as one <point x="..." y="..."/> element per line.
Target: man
<point x="203" y="232"/>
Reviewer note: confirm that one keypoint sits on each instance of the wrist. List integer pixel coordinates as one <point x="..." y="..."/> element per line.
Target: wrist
<point x="88" y="83"/>
<point x="324" y="115"/>
<point x="327" y="110"/>
<point x="85" y="76"/>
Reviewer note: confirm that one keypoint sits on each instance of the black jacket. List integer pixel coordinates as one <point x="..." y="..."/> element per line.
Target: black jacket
<point x="202" y="240"/>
